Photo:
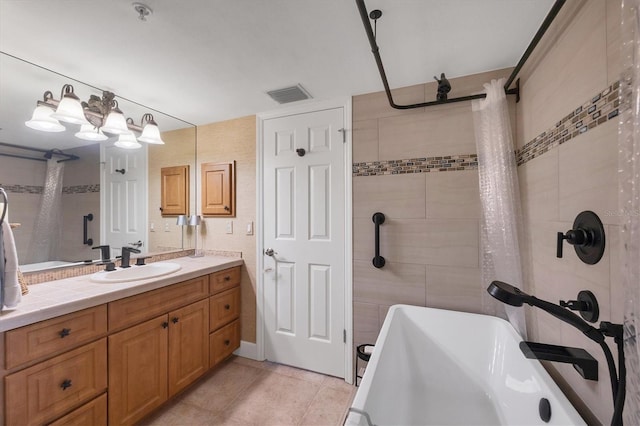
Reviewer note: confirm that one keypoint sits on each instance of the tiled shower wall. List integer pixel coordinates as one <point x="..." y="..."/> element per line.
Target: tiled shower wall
<point x="575" y="69"/>
<point x="419" y="168"/>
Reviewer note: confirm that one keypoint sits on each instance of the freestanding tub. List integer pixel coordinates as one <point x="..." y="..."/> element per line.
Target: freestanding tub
<point x="438" y="367"/>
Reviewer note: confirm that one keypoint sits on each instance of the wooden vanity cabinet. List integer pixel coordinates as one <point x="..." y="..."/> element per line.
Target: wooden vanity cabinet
<point x="122" y="360"/>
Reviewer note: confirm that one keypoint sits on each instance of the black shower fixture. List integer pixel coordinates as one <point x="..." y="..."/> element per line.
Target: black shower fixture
<point x="586" y="236"/>
<point x="444" y="87"/>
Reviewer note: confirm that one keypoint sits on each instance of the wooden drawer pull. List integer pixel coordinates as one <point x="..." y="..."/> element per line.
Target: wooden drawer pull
<point x="165" y="324"/>
<point x="64" y="332"/>
<point x="227" y="277"/>
<point x="227" y="306"/>
<point x="175" y="320"/>
<point x="227" y="342"/>
<point x="66" y="384"/>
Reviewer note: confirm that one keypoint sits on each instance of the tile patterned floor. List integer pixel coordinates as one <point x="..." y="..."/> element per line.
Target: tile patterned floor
<point x="246" y="392"/>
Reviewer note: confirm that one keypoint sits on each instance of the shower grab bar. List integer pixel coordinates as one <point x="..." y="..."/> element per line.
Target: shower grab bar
<point x="85" y="220"/>
<point x="378" y="219"/>
<point x="362" y="8"/>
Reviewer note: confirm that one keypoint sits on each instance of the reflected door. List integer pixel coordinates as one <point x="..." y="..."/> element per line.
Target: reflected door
<point x="124" y="199"/>
<point x="304" y="226"/>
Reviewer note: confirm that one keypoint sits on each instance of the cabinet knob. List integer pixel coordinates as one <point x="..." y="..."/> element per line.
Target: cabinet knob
<point x="175" y="320"/>
<point x="227" y="278"/>
<point x="64" y="332"/>
<point x="227" y="342"/>
<point x="165" y="324"/>
<point x="226" y="208"/>
<point x="66" y="384"/>
<point x="227" y="306"/>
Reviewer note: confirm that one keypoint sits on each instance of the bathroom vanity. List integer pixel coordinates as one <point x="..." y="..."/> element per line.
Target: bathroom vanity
<point x="116" y="351"/>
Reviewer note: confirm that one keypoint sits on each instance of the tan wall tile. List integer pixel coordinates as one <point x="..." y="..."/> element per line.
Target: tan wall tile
<point x="375" y="105"/>
<point x="538" y="179"/>
<point x="454" y="195"/>
<point x="614" y="40"/>
<point x="573" y="70"/>
<point x="394" y="283"/>
<point x="615" y="249"/>
<point x="365" y="141"/>
<point x="397" y="196"/>
<point x="442" y="130"/>
<point x="365" y="323"/>
<point x="454" y="288"/>
<point x="588" y="178"/>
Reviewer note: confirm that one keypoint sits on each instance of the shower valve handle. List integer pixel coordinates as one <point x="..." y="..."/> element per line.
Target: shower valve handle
<point x="576" y="237"/>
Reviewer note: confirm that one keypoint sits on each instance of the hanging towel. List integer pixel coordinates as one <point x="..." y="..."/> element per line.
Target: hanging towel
<point x="11" y="287"/>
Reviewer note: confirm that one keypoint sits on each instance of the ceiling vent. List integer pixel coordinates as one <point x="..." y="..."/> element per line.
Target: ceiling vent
<point x="289" y="94"/>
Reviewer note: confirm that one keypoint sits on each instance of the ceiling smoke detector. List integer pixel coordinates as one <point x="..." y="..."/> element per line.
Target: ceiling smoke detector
<point x="289" y="94"/>
<point x="143" y="10"/>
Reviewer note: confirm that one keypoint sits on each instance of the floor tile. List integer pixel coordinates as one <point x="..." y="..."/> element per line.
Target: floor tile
<point x="328" y="407"/>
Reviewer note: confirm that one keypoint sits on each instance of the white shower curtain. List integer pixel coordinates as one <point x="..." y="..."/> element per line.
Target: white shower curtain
<point x="500" y="197"/>
<point x="47" y="232"/>
<point x="629" y="200"/>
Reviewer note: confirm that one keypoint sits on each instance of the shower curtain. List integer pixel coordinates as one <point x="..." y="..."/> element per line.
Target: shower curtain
<point x="500" y="198"/>
<point x="629" y="200"/>
<point x="47" y="232"/>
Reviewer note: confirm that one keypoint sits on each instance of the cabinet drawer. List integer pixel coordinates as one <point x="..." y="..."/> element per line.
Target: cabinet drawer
<point x="224" y="308"/>
<point x="57" y="334"/>
<point x="93" y="413"/>
<point x="224" y="280"/>
<point x="138" y="308"/>
<point x="223" y="342"/>
<point x="45" y="391"/>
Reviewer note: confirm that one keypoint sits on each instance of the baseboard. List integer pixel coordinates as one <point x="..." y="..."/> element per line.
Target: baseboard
<point x="248" y="350"/>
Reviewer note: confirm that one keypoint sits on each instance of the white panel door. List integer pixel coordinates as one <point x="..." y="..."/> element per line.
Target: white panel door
<point x="125" y="198"/>
<point x="305" y="227"/>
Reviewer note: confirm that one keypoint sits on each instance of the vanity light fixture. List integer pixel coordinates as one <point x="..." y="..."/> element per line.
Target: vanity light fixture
<point x="98" y="115"/>
<point x="69" y="109"/>
<point x="127" y="141"/>
<point x="89" y="132"/>
<point x="41" y="118"/>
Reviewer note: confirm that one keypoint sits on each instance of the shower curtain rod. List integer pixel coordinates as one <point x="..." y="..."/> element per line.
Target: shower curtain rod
<point x="515" y="91"/>
<point x="69" y="157"/>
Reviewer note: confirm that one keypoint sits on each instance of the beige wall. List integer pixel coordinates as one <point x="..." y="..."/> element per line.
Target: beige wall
<point x="234" y="140"/>
<point x="179" y="150"/>
<point x="430" y="238"/>
<point x="577" y="61"/>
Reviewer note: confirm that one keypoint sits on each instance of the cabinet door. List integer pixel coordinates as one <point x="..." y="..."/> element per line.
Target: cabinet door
<point x="174" y="190"/>
<point x="218" y="189"/>
<point x="188" y="344"/>
<point x="137" y="370"/>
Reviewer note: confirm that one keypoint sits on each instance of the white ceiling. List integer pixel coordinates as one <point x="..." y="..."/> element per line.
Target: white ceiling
<point x="209" y="60"/>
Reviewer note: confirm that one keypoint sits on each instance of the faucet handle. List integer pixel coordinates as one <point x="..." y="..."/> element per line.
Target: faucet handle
<point x="140" y="260"/>
<point x="587" y="305"/>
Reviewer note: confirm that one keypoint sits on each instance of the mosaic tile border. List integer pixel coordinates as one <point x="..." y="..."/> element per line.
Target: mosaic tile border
<point x="81" y="189"/>
<point x="596" y="111"/>
<point x="38" y="190"/>
<point x="448" y="163"/>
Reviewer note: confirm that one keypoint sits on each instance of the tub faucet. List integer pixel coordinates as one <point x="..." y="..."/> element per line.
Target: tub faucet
<point x="126" y="256"/>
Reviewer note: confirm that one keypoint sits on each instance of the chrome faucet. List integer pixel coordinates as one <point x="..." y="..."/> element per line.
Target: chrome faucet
<point x="126" y="256"/>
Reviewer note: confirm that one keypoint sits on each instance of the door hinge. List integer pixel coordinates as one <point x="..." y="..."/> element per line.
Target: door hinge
<point x="344" y="336"/>
<point x="344" y="134"/>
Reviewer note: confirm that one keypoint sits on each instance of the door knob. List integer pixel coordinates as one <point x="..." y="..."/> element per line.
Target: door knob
<point x="269" y="252"/>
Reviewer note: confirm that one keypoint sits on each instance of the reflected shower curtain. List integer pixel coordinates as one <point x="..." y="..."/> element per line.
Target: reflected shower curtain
<point x="47" y="232"/>
<point x="629" y="200"/>
<point x="500" y="198"/>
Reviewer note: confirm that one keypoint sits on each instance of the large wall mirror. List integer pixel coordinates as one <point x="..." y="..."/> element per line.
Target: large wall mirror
<point x="67" y="195"/>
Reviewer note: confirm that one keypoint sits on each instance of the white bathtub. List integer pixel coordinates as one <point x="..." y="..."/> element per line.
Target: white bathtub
<point x="32" y="267"/>
<point x="437" y="367"/>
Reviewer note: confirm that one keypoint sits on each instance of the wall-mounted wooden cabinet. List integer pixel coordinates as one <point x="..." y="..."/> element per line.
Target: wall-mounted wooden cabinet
<point x="218" y="189"/>
<point x="174" y="199"/>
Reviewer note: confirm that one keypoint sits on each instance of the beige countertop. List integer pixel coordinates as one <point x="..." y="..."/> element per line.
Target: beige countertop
<point x="54" y="298"/>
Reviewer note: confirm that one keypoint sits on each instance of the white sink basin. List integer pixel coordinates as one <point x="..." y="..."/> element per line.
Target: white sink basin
<point x="134" y="273"/>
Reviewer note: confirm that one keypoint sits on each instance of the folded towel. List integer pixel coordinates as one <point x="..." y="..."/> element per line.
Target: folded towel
<point x="11" y="285"/>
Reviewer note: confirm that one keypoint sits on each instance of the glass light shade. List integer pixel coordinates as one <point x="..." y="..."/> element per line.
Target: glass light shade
<point x="89" y="132"/>
<point x="127" y="141"/>
<point x="194" y="220"/>
<point x="70" y="111"/>
<point x="116" y="123"/>
<point x="182" y="220"/>
<point x="151" y="134"/>
<point x="42" y="120"/>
